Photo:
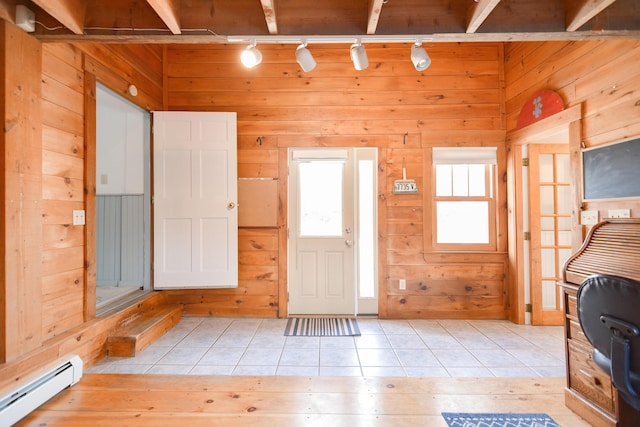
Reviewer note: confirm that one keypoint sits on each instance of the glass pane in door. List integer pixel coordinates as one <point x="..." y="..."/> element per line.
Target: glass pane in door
<point x="321" y="198"/>
<point x="366" y="229"/>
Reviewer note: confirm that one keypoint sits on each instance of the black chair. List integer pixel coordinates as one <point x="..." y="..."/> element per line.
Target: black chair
<point x="609" y="313"/>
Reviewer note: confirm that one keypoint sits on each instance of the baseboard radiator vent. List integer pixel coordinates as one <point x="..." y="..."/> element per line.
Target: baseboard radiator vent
<point x="19" y="402"/>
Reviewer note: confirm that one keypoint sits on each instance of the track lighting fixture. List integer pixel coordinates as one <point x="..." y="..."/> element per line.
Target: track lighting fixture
<point x="419" y="57"/>
<point x="304" y="58"/>
<point x="251" y="56"/>
<point x="359" y="56"/>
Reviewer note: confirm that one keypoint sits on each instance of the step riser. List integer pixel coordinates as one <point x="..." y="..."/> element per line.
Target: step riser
<point x="131" y="340"/>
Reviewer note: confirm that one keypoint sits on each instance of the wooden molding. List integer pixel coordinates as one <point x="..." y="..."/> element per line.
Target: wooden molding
<point x="90" y="105"/>
<point x="544" y="128"/>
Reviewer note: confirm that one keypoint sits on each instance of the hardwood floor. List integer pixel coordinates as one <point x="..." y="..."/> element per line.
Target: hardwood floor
<point x="167" y="400"/>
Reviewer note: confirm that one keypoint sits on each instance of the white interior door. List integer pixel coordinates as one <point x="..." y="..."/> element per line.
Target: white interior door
<point x="195" y="197"/>
<point x="322" y="233"/>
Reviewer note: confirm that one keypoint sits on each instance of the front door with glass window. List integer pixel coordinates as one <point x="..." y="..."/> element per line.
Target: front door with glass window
<point x="326" y="230"/>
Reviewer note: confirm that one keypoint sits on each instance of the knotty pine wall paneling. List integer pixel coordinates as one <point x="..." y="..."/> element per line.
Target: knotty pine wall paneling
<point x="63" y="188"/>
<point x="391" y="106"/>
<point x="46" y="308"/>
<point x="602" y="78"/>
<point x="21" y="187"/>
<point x="599" y="82"/>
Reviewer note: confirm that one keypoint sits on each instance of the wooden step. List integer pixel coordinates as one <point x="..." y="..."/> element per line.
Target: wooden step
<point x="135" y="334"/>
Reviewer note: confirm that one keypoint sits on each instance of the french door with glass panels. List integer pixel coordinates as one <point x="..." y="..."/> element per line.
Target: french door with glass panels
<point x="550" y="225"/>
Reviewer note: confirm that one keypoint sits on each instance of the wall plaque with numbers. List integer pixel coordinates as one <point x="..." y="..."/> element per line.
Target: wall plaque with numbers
<point x="405" y="186"/>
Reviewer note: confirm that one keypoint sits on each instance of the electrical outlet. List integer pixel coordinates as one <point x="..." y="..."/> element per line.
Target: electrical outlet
<point x="78" y="217"/>
<point x="589" y="217"/>
<point x="402" y="283"/>
<point x="619" y="213"/>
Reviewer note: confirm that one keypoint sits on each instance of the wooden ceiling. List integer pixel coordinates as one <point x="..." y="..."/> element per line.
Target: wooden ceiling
<point x="192" y="21"/>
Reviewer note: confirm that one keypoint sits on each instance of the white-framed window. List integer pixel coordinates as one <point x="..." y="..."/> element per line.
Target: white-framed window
<point x="464" y="183"/>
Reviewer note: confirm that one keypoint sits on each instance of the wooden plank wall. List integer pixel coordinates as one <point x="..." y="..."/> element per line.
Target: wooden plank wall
<point x="21" y="187"/>
<point x="45" y="289"/>
<point x="63" y="189"/>
<point x="598" y="82"/>
<point x="601" y="77"/>
<point x="391" y="106"/>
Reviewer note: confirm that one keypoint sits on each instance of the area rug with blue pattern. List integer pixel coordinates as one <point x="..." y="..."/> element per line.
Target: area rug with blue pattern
<point x="460" y="419"/>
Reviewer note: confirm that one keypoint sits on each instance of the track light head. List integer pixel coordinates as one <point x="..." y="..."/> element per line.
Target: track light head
<point x="304" y="58"/>
<point x="251" y="56"/>
<point x="420" y="57"/>
<point x="359" y="56"/>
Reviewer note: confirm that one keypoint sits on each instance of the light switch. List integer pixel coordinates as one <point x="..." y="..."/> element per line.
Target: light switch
<point x="589" y="217"/>
<point x="78" y="217"/>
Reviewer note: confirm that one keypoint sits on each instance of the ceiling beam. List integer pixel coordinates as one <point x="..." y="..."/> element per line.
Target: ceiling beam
<point x="8" y="10"/>
<point x="410" y="38"/>
<point x="69" y="13"/>
<point x="169" y="12"/>
<point x="269" y="8"/>
<point x="375" y="8"/>
<point x="478" y="12"/>
<point x="579" y="12"/>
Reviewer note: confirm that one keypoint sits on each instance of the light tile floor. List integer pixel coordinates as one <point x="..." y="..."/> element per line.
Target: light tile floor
<point x="391" y="348"/>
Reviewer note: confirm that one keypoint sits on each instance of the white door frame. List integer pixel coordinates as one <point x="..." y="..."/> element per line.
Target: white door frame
<point x="363" y="229"/>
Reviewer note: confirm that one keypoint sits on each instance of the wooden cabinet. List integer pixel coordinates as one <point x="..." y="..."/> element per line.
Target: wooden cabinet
<point x="590" y="392"/>
<point x="609" y="248"/>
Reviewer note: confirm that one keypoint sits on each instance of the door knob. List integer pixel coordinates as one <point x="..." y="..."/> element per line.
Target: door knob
<point x="231" y="205"/>
<point x="349" y="243"/>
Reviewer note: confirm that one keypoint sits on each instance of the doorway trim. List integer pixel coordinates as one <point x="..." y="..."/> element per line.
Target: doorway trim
<point x="91" y="81"/>
<point x="566" y="123"/>
<point x="360" y="157"/>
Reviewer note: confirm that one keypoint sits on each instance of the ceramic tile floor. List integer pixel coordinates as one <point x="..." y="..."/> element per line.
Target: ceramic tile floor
<point x="392" y="348"/>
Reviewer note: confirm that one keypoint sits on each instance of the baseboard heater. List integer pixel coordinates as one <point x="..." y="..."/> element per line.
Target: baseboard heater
<point x="36" y="390"/>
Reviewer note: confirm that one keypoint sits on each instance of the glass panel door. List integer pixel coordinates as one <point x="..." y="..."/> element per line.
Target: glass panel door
<point x="550" y="219"/>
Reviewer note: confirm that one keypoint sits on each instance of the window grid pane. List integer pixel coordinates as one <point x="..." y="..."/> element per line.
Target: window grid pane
<point x="460" y="180"/>
<point x="443" y="180"/>
<point x="462" y="222"/>
<point x="477" y="185"/>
